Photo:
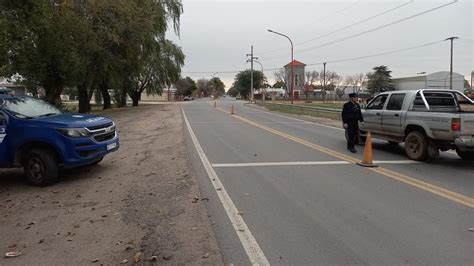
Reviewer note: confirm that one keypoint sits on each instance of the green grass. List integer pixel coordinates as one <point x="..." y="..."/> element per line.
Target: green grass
<point x="325" y="105"/>
<point x="331" y="104"/>
<point x="284" y="109"/>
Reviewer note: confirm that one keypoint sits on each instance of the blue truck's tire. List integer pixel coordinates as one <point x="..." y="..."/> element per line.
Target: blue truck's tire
<point x="41" y="167"/>
<point x="466" y="155"/>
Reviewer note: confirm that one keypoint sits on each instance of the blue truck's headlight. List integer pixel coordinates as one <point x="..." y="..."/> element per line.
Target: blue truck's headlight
<point x="74" y="132"/>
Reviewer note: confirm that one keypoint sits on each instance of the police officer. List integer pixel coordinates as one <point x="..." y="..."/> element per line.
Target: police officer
<point x="351" y="115"/>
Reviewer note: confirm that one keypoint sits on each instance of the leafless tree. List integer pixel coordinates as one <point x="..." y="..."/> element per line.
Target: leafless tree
<point x="356" y="81"/>
<point x="311" y="77"/>
<point x="280" y="75"/>
<point x="331" y="78"/>
<point x="343" y="84"/>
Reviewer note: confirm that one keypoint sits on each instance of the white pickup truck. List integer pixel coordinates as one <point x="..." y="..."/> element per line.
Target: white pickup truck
<point x="426" y="120"/>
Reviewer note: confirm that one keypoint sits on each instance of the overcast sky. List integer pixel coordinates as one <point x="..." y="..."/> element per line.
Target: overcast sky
<point x="217" y="35"/>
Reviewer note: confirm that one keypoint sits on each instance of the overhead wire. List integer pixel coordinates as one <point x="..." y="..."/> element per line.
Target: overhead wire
<point x="370" y="30"/>
<point x="357" y="23"/>
<point x="377" y="54"/>
<point x="329" y="16"/>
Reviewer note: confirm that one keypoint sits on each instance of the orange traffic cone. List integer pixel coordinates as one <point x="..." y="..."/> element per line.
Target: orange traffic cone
<point x="232" y="110"/>
<point x="367" y="160"/>
<point x="215" y="104"/>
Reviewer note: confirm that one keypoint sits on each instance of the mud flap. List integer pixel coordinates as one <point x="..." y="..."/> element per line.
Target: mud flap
<point x="433" y="150"/>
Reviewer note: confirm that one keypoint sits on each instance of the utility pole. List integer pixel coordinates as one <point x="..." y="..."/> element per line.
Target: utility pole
<point x="451" y="65"/>
<point x="324" y="82"/>
<point x="251" y="72"/>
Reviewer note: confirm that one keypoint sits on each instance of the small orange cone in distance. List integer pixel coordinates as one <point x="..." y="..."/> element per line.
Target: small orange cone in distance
<point x="367" y="160"/>
<point x="232" y="110"/>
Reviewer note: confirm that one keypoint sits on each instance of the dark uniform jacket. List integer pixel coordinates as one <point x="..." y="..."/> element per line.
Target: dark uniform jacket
<point x="351" y="113"/>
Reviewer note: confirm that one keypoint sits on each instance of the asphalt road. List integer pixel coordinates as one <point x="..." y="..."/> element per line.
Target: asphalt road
<point x="286" y="191"/>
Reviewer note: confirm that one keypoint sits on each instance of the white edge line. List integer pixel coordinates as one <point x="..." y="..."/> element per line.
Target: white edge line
<point x="301" y="120"/>
<point x="249" y="243"/>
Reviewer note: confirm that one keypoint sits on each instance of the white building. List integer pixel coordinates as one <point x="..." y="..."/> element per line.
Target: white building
<point x="437" y="80"/>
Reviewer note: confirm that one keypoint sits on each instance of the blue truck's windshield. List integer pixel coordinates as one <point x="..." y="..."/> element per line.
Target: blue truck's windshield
<point x="29" y="107"/>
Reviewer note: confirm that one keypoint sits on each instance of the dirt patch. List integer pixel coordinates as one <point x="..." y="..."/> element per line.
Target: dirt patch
<point x="136" y="205"/>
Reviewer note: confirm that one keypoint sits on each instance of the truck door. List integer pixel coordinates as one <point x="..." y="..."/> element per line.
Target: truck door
<point x="3" y="134"/>
<point x="392" y="115"/>
<point x="373" y="114"/>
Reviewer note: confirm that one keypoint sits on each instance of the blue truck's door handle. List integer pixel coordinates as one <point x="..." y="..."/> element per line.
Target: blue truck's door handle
<point x="377" y="113"/>
<point x="397" y="115"/>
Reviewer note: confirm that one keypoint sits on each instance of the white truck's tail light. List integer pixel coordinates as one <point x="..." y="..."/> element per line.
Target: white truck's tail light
<point x="456" y="124"/>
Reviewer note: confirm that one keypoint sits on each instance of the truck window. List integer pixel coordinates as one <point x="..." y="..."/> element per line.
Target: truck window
<point x="435" y="99"/>
<point x="396" y="101"/>
<point x="377" y="103"/>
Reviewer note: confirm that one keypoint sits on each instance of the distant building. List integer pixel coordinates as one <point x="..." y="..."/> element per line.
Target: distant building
<point x="15" y="89"/>
<point x="437" y="80"/>
<point x="299" y="78"/>
<point x="168" y="94"/>
<point x="274" y="93"/>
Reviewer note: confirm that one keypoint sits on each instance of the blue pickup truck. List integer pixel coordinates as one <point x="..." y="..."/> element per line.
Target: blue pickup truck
<point x="43" y="139"/>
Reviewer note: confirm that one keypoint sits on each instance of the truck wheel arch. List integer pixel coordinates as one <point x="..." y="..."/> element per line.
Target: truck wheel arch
<point x="410" y="128"/>
<point x="22" y="152"/>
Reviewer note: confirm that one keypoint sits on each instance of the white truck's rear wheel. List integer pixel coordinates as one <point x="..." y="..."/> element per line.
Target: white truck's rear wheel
<point x="416" y="146"/>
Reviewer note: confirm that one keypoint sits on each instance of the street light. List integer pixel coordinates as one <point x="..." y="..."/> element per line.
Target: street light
<point x="292" y="66"/>
<point x="263" y="94"/>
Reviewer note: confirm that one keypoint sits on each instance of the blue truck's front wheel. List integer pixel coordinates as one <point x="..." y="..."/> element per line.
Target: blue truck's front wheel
<point x="41" y="167"/>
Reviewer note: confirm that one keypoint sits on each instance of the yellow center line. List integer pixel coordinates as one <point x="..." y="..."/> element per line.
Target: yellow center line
<point x="442" y="192"/>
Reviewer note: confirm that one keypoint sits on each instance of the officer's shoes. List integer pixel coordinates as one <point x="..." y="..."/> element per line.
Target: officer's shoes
<point x="352" y="150"/>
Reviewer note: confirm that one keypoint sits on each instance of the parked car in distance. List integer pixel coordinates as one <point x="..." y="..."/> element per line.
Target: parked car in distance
<point x="42" y="139"/>
<point x="427" y="121"/>
<point x="238" y="97"/>
<point x="188" y="98"/>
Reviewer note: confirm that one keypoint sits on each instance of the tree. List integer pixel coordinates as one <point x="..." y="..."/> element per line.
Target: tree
<point x="282" y="80"/>
<point x="233" y="91"/>
<point x="279" y="84"/>
<point x="311" y="77"/>
<point x="343" y="84"/>
<point x="91" y="45"/>
<point x="356" y="81"/>
<point x="217" y="86"/>
<point x="329" y="78"/>
<point x="242" y="81"/>
<point x="203" y="87"/>
<point x="38" y="41"/>
<point x="185" y="87"/>
<point x="162" y="67"/>
<point x="379" y="80"/>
